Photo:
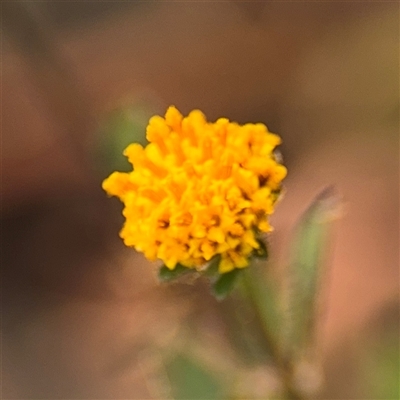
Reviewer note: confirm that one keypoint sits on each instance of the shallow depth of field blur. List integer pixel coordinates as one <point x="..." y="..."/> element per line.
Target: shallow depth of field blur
<point x="83" y="316"/>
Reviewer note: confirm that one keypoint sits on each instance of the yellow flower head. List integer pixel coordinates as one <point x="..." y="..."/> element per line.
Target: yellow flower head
<point x="199" y="190"/>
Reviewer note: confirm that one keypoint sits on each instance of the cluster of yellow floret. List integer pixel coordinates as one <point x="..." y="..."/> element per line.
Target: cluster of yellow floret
<point x="198" y="190"/>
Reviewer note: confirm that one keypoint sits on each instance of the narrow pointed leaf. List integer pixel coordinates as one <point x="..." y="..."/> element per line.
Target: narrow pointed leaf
<point x="309" y="251"/>
<point x="225" y="283"/>
<point x="165" y="274"/>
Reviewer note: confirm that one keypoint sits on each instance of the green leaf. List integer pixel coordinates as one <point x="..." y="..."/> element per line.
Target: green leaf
<point x="377" y="354"/>
<point x="165" y="274"/>
<point x="309" y="251"/>
<point x="379" y="368"/>
<point x="225" y="283"/>
<point x="189" y="380"/>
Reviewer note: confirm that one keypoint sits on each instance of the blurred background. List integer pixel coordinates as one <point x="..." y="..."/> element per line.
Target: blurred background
<point x="84" y="317"/>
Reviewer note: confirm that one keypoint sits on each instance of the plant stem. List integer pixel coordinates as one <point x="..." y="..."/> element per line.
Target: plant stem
<point x="285" y="368"/>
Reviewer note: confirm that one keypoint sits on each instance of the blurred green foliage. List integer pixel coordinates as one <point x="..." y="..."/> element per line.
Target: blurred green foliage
<point x="379" y="363"/>
<point x="263" y="296"/>
<point x="119" y="128"/>
<point x="189" y="380"/>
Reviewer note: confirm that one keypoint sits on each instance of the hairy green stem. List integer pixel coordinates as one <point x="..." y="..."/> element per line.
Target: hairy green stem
<point x="284" y="367"/>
